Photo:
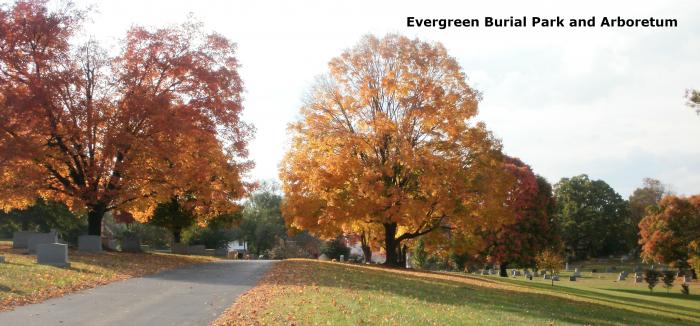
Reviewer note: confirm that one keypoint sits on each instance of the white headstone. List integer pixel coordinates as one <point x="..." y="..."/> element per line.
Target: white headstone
<point x="54" y="254"/>
<point x="323" y="257"/>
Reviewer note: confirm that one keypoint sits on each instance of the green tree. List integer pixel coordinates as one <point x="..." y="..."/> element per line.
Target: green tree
<point x="43" y="216"/>
<point x="668" y="279"/>
<point x="335" y="248"/>
<point x="173" y="216"/>
<point x="652" y="278"/>
<point x="262" y="224"/>
<point x="591" y="217"/>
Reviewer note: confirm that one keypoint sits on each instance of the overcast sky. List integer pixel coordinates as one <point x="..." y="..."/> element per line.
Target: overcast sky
<point x="601" y="101"/>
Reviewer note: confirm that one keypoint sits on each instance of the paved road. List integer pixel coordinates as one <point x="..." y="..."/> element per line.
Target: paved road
<point x="192" y="295"/>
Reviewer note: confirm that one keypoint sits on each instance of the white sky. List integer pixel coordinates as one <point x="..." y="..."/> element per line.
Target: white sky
<point x="606" y="102"/>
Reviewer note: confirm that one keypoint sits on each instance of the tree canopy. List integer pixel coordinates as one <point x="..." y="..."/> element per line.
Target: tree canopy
<point x="670" y="233"/>
<point x="592" y="217"/>
<point x="388" y="138"/>
<point x="100" y="132"/>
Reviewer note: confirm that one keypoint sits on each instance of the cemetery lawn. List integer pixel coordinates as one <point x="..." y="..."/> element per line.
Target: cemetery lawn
<point x="305" y="292"/>
<point x="23" y="281"/>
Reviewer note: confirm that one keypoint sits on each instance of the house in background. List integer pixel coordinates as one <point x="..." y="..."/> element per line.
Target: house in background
<point x="239" y="247"/>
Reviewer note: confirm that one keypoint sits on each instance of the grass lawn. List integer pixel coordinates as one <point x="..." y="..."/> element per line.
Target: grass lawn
<point x="311" y="292"/>
<point x="22" y="281"/>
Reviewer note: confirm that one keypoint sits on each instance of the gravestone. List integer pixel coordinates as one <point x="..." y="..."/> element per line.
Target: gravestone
<point x="638" y="277"/>
<point x="566" y="268"/>
<point x="572" y="278"/>
<point x="89" y="243"/>
<point x="179" y="248"/>
<point x="221" y="252"/>
<point x="323" y="257"/>
<point x="2" y="259"/>
<point x="484" y="272"/>
<point x="516" y="273"/>
<point x="342" y="258"/>
<point x="40" y="238"/>
<point x="621" y="277"/>
<point x="200" y="250"/>
<point x="54" y="254"/>
<point x="555" y="277"/>
<point x="529" y="277"/>
<point x="20" y="239"/>
<point x="577" y="272"/>
<point x="131" y="244"/>
<point x="546" y="276"/>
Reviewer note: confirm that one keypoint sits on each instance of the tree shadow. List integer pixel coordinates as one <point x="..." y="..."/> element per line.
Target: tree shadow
<point x="430" y="287"/>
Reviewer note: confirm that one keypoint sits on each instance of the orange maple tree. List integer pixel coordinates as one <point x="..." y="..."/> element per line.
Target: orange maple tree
<point x="101" y="132"/>
<point x="670" y="233"/>
<point x="388" y="139"/>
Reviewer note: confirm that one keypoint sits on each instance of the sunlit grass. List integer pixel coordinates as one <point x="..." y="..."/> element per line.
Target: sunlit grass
<point x="316" y="293"/>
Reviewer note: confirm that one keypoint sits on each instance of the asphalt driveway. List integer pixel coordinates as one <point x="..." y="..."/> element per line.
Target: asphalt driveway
<point x="192" y="295"/>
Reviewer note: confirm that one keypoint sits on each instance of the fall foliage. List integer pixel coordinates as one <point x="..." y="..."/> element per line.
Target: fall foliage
<point x="671" y="232"/>
<point x="388" y="138"/>
<point x="533" y="229"/>
<point x="100" y="132"/>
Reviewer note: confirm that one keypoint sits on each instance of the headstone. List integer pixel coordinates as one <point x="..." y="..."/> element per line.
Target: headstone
<point x="2" y="259"/>
<point x="342" y="258"/>
<point x="131" y="244"/>
<point x="89" y="243"/>
<point x="566" y="268"/>
<point x="572" y="278"/>
<point x="484" y="272"/>
<point x="54" y="254"/>
<point x="492" y="271"/>
<point x="197" y="250"/>
<point x="179" y="248"/>
<point x="577" y="272"/>
<point x="621" y="277"/>
<point x="40" y="238"/>
<point x="221" y="252"/>
<point x="516" y="273"/>
<point x="529" y="277"/>
<point x="323" y="257"/>
<point x="20" y="239"/>
<point x="546" y="276"/>
<point x="555" y="277"/>
<point x="638" y="277"/>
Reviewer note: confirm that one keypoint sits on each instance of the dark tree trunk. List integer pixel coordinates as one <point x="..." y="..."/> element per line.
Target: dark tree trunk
<point x="391" y="245"/>
<point x="367" y="252"/>
<point x="504" y="269"/>
<point x="95" y="214"/>
<point x="176" y="235"/>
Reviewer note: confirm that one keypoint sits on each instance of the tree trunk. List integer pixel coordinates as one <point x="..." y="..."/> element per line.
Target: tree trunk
<point x="391" y="245"/>
<point x="95" y="214"/>
<point x="176" y="235"/>
<point x="367" y="252"/>
<point x="504" y="269"/>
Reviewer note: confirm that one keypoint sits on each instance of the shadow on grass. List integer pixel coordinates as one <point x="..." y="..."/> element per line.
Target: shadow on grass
<point x="432" y="289"/>
<point x="636" y="302"/>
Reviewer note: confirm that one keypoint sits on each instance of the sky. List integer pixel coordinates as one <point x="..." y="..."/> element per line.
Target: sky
<point x="607" y="102"/>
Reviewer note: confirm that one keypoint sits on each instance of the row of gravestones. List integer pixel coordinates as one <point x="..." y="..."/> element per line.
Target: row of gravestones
<point x="49" y="250"/>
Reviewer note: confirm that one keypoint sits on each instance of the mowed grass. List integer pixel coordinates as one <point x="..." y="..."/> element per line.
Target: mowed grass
<point x="23" y="281"/>
<point x="307" y="292"/>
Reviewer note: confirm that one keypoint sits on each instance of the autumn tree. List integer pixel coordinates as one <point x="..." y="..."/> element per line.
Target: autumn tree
<point x="388" y="139"/>
<point x="550" y="260"/>
<point x="671" y="233"/>
<point x="643" y="198"/>
<point x="591" y="216"/>
<point x="532" y="230"/>
<point x="97" y="132"/>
